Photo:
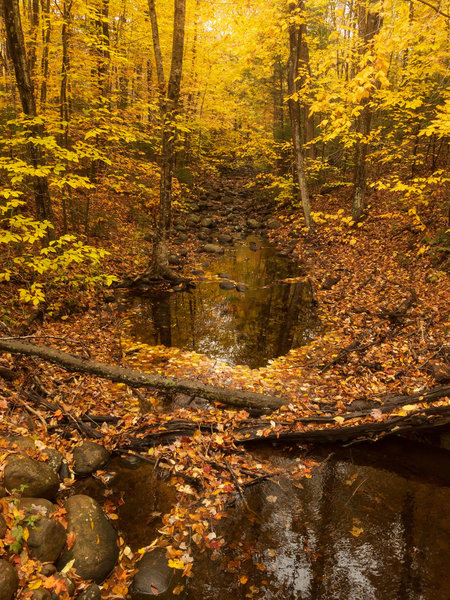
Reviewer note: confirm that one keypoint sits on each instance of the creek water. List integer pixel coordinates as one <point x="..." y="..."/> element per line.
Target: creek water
<point x="372" y="522"/>
<point x="248" y="328"/>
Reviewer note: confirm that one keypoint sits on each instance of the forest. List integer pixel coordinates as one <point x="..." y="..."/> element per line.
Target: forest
<point x="224" y="306"/>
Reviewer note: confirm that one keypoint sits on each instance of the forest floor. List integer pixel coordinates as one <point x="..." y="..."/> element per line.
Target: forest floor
<point x="382" y="294"/>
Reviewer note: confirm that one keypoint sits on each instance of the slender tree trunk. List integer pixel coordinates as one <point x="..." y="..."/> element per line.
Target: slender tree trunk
<point x="368" y="26"/>
<point x="169" y="100"/>
<point x="295" y="40"/>
<point x="17" y="50"/>
<point x="46" y="33"/>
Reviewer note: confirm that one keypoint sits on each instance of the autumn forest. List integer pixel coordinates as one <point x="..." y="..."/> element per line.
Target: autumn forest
<point x="224" y="262"/>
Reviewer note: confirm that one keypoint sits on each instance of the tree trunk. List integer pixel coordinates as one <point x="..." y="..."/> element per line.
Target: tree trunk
<point x="46" y="32"/>
<point x="295" y="40"/>
<point x="168" y="100"/>
<point x="17" y="50"/>
<point x="368" y="26"/>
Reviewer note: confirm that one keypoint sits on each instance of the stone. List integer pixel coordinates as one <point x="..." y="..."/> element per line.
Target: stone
<point x="213" y="249"/>
<point x="202" y="236"/>
<point x="64" y="472"/>
<point x="182" y="252"/>
<point x="226" y="284"/>
<point x="3" y="527"/>
<point x="207" y="222"/>
<point x="174" y="259"/>
<point x="47" y="539"/>
<point x="272" y="224"/>
<point x="36" y="506"/>
<point x="254" y="246"/>
<point x="242" y="287"/>
<point x="48" y="570"/>
<point x="224" y="238"/>
<point x="93" y="592"/>
<point x="89" y="457"/>
<point x="253" y="224"/>
<point x="95" y="550"/>
<point x="154" y="577"/>
<point x="3" y="491"/>
<point x="41" y="594"/>
<point x="55" y="458"/>
<point x="193" y="219"/>
<point x="224" y="276"/>
<point x="182" y="237"/>
<point x="9" y="581"/>
<point x="39" y="478"/>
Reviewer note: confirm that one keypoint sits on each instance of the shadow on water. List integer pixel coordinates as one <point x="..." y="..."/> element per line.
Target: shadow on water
<point x="251" y="327"/>
<point x="372" y="522"/>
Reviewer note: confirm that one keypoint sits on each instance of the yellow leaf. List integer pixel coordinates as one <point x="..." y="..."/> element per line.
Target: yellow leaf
<point x="339" y="420"/>
<point x="356" y="531"/>
<point x="35" y="584"/>
<point x="176" y="563"/>
<point x="243" y="579"/>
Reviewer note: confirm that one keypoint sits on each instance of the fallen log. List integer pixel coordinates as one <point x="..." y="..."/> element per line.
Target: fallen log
<point x="250" y="401"/>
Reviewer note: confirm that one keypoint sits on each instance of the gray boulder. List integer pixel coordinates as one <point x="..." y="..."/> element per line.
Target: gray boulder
<point x="225" y="238"/>
<point x="213" y="249"/>
<point x="36" y="506"/>
<point x="154" y="577"/>
<point x="91" y="593"/>
<point x="39" y="478"/>
<point x="95" y="550"/>
<point x="253" y="224"/>
<point x="47" y="539"/>
<point x="89" y="457"/>
<point x="9" y="581"/>
<point x="242" y="287"/>
<point x="226" y="284"/>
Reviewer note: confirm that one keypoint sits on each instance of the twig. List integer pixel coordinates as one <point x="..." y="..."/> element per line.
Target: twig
<point x="34" y="412"/>
<point x="357" y="488"/>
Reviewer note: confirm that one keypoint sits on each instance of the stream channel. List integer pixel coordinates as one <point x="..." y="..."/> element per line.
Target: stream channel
<point x="372" y="522"/>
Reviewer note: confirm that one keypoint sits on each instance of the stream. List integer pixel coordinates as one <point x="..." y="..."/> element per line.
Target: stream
<point x="372" y="521"/>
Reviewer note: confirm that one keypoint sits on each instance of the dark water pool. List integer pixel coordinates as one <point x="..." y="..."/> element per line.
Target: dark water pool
<point x="372" y="523"/>
<point x="247" y="328"/>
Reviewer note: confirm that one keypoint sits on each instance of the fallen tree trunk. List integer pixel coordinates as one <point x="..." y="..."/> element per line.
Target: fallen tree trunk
<point x="251" y="401"/>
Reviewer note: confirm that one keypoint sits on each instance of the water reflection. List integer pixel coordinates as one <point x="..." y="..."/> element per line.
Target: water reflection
<point x="248" y="327"/>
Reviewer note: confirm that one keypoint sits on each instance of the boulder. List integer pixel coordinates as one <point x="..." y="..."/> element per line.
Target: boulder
<point x="9" y="581"/>
<point x="253" y="224"/>
<point x="226" y="284"/>
<point x="224" y="238"/>
<point x="242" y="287"/>
<point x="174" y="260"/>
<point x="224" y="276"/>
<point x="36" y="506"/>
<point x="272" y="224"/>
<point x="48" y="569"/>
<point x="47" y="539"/>
<point x="39" y="478"/>
<point x="55" y="458"/>
<point x="207" y="222"/>
<point x="213" y="249"/>
<point x="91" y="593"/>
<point x="89" y="457"/>
<point x="154" y="577"/>
<point x="95" y="550"/>
<point x="193" y="219"/>
<point x="3" y="527"/>
<point x="41" y="594"/>
<point x="254" y="246"/>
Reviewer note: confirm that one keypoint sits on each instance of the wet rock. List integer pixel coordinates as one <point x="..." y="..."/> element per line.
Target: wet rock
<point x="254" y="246"/>
<point x="20" y="442"/>
<point x="226" y="284"/>
<point x="207" y="222"/>
<point x="193" y="219"/>
<point x="47" y="539"/>
<point x="64" y="472"/>
<point x="202" y="235"/>
<point x="181" y="228"/>
<point x="253" y="224"/>
<point x="272" y="224"/>
<point x="55" y="458"/>
<point x="91" y="593"/>
<point x="36" y="506"/>
<point x="89" y="457"/>
<point x="39" y="478"/>
<point x="213" y="249"/>
<point x="95" y="550"/>
<point x="242" y="287"/>
<point x="174" y="260"/>
<point x="41" y="594"/>
<point x="48" y="570"/>
<point x="3" y="527"/>
<point x="225" y="238"/>
<point x="9" y="581"/>
<point x="154" y="578"/>
<point x="224" y="276"/>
